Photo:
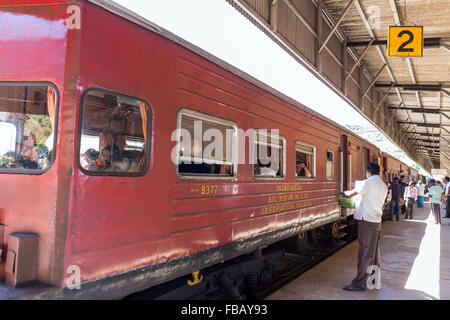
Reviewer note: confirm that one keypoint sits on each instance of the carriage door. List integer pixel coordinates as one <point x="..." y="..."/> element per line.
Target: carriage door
<point x="344" y="163"/>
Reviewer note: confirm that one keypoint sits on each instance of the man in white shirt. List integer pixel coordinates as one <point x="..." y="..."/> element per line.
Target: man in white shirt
<point x="420" y="194"/>
<point x="446" y="197"/>
<point x="371" y="195"/>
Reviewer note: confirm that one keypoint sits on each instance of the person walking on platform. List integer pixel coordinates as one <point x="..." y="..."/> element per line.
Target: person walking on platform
<point x="446" y="197"/>
<point x="395" y="198"/>
<point x="420" y="194"/>
<point x="410" y="196"/>
<point x="403" y="187"/>
<point x="436" y="197"/>
<point x="372" y="194"/>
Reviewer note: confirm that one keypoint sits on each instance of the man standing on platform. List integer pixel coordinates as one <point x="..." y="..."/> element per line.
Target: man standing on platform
<point x="403" y="186"/>
<point x="420" y="194"/>
<point x="446" y="197"/>
<point x="372" y="194"/>
<point x="436" y="194"/>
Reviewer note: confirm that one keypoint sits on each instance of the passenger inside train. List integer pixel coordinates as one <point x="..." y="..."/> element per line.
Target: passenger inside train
<point x="114" y="133"/>
<point x="304" y="160"/>
<point x="302" y="170"/>
<point x="269" y="155"/>
<point x="27" y="125"/>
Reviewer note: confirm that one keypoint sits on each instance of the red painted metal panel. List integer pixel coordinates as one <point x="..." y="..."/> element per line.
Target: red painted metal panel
<point x="36" y="46"/>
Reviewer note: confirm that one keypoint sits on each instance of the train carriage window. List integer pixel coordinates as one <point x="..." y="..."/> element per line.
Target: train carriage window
<point x="269" y="155"/>
<point x="305" y="160"/>
<point x="330" y="165"/>
<point x="114" y="134"/>
<point x="205" y="145"/>
<point x="28" y="114"/>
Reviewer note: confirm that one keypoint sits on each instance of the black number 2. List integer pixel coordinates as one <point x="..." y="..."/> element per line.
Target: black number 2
<point x="404" y="44"/>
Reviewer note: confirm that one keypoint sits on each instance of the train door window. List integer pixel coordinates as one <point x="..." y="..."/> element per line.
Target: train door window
<point x="305" y="160"/>
<point x="28" y="121"/>
<point x="205" y="145"/>
<point x="365" y="154"/>
<point x="111" y="126"/>
<point x="330" y="165"/>
<point x="269" y="155"/>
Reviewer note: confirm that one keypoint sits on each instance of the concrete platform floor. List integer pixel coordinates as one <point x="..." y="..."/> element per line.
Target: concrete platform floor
<point x="415" y="264"/>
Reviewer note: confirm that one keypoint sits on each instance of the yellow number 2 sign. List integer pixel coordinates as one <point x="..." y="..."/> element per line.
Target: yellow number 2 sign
<point x="404" y="41"/>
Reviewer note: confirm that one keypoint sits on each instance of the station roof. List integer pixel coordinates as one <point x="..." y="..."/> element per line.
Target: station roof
<point x="344" y="42"/>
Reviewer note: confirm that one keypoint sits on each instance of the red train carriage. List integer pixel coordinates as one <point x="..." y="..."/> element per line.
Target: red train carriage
<point x="395" y="168"/>
<point x="94" y="181"/>
<point x="413" y="174"/>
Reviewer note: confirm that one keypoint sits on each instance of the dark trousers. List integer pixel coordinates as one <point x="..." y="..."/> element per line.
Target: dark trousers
<point x="394" y="206"/>
<point x="368" y="250"/>
<point x="409" y="208"/>
<point x="436" y="209"/>
<point x="447" y="208"/>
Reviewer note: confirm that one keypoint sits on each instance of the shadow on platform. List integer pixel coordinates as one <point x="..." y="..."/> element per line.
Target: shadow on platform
<point x="415" y="262"/>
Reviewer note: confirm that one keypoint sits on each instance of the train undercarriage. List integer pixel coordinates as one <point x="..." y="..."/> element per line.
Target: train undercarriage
<point x="254" y="276"/>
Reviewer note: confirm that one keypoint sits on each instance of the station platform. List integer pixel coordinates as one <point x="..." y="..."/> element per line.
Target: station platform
<point x="415" y="264"/>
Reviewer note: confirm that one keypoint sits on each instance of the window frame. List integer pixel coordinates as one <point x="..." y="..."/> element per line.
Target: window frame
<point x="280" y="137"/>
<point x="37" y="172"/>
<point x="326" y="160"/>
<point x="221" y="121"/>
<point x="147" y="144"/>
<point x="314" y="160"/>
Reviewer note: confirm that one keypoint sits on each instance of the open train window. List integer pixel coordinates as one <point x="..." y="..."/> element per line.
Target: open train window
<point x="114" y="138"/>
<point x="28" y="121"/>
<point x="305" y="160"/>
<point x="330" y="165"/>
<point x="205" y="145"/>
<point x="269" y="155"/>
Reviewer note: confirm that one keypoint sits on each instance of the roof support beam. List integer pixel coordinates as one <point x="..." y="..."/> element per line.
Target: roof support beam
<point x="335" y="26"/>
<point x="359" y="59"/>
<point x="421" y="124"/>
<point x="383" y="98"/>
<point x="445" y="115"/>
<point x="300" y="17"/>
<point x="427" y="43"/>
<point x="415" y="110"/>
<point x="274" y="15"/>
<point x="411" y="87"/>
<point x="374" y="80"/>
<point x="434" y="135"/>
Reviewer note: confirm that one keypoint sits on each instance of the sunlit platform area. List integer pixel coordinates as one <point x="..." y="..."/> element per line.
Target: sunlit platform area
<point x="415" y="265"/>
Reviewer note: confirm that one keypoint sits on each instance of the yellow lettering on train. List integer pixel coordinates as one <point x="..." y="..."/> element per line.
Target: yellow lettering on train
<point x="285" y="187"/>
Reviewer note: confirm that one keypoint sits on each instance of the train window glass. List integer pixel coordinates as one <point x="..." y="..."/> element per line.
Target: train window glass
<point x="28" y="114"/>
<point x="88" y="142"/>
<point x="114" y="134"/>
<point x="269" y="155"/>
<point x="305" y="160"/>
<point x="330" y="165"/>
<point x="205" y="145"/>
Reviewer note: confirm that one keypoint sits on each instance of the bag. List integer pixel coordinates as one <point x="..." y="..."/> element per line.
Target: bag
<point x="401" y="202"/>
<point x="348" y="203"/>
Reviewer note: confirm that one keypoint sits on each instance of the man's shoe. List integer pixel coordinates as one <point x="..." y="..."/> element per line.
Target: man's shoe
<point x="353" y="288"/>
